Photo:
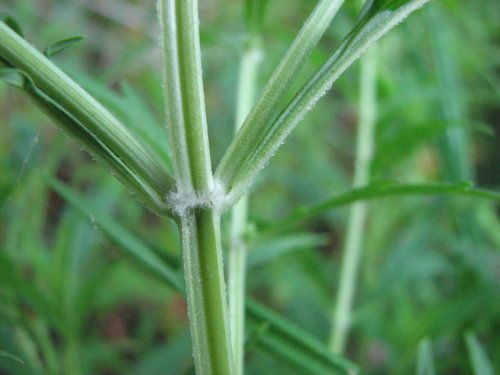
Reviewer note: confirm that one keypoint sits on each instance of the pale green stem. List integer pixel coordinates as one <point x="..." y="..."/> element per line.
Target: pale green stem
<point x="252" y="148"/>
<point x="78" y="112"/>
<point x="238" y="250"/>
<point x="195" y="200"/>
<point x="357" y="215"/>
<point x="269" y="102"/>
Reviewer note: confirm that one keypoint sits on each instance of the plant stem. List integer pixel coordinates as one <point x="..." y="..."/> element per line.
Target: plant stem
<point x="358" y="211"/>
<point x="198" y="217"/>
<point x="206" y="293"/>
<point x="98" y="122"/>
<point x="251" y="149"/>
<point x="269" y="102"/>
<point x="249" y="62"/>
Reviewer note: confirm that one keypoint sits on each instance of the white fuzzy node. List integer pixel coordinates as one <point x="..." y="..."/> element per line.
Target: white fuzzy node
<point x="182" y="202"/>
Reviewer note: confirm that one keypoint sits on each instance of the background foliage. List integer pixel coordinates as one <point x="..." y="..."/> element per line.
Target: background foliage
<point x="73" y="302"/>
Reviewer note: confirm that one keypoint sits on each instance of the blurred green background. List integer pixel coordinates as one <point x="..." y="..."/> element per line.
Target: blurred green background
<point x="72" y="303"/>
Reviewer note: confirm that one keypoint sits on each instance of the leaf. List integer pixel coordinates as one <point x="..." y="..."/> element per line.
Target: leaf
<point x="481" y="365"/>
<point x="384" y="189"/>
<point x="127" y="242"/>
<point x="293" y="345"/>
<point x="13" y="77"/>
<point x="252" y="149"/>
<point x="59" y="46"/>
<point x="268" y="104"/>
<point x="270" y="249"/>
<point x="425" y="365"/>
<point x="11" y="357"/>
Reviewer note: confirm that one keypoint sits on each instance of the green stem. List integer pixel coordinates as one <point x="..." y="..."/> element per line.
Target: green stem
<point x="206" y="293"/>
<point x="79" y="106"/>
<point x="185" y="105"/>
<point x="269" y="102"/>
<point x="196" y="199"/>
<point x="357" y="216"/>
<point x="251" y="149"/>
<point x="249" y="62"/>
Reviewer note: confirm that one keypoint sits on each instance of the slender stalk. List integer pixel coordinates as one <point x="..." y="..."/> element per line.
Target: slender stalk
<point x="74" y="110"/>
<point x="251" y="149"/>
<point x="195" y="201"/>
<point x="249" y="62"/>
<point x="82" y="107"/>
<point x="269" y="102"/>
<point x="185" y="105"/>
<point x="357" y="216"/>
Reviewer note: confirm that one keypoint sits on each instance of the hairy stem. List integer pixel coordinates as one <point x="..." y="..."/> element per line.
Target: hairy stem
<point x="206" y="293"/>
<point x="80" y="114"/>
<point x="270" y="101"/>
<point x="199" y="218"/>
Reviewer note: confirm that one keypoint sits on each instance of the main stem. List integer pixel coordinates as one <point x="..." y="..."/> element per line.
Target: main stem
<point x="198" y="218"/>
<point x="206" y="293"/>
<point x="238" y="249"/>
<point x="357" y="215"/>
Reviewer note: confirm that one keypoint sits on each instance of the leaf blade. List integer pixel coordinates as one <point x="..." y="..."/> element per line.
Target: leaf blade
<point x="237" y="172"/>
<point x="480" y="362"/>
<point x="59" y="46"/>
<point x="385" y="189"/>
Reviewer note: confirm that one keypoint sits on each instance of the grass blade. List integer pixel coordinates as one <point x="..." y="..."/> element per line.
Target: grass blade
<point x="271" y="249"/>
<point x="385" y="189"/>
<point x="298" y="348"/>
<point x="10" y="356"/>
<point x="481" y="365"/>
<point x="425" y="363"/>
<point x="126" y="241"/>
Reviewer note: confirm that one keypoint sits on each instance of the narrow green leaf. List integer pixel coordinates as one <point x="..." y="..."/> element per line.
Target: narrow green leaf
<point x="59" y="46"/>
<point x="11" y="356"/>
<point x="267" y="105"/>
<point x="131" y="245"/>
<point x="425" y="364"/>
<point x="481" y="365"/>
<point x="384" y="189"/>
<point x="291" y="344"/>
<point x="270" y="249"/>
<point x="13" y="77"/>
<point x="251" y="150"/>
